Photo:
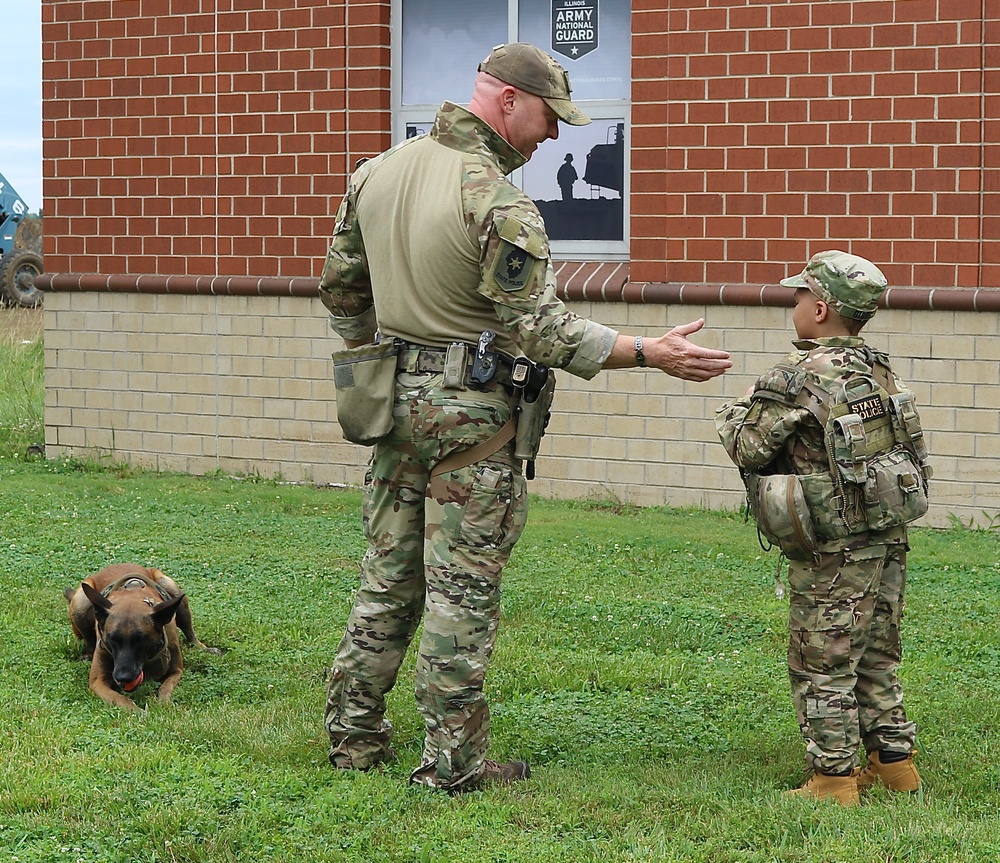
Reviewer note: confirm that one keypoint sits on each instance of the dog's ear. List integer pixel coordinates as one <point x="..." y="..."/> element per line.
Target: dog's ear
<point x="102" y="605"/>
<point x="164" y="612"/>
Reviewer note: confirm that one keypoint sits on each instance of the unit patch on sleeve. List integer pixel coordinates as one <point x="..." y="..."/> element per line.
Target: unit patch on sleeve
<point x="519" y="247"/>
<point x="512" y="267"/>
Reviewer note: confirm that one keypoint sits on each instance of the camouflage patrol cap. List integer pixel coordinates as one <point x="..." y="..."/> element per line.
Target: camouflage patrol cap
<point x="530" y="69"/>
<point x="849" y="284"/>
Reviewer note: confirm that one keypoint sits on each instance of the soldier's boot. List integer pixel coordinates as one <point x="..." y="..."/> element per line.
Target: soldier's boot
<point x="895" y="775"/>
<point x="504" y="774"/>
<point x="836" y="789"/>
<point x="496" y="774"/>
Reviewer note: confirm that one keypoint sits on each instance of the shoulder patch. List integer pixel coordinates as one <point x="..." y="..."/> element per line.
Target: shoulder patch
<point x="512" y="267"/>
<point x="520" y="247"/>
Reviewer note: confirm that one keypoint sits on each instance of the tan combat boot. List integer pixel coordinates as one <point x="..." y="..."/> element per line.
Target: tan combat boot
<point x="503" y="774"/>
<point x="836" y="789"/>
<point x="494" y="774"/>
<point x="899" y="776"/>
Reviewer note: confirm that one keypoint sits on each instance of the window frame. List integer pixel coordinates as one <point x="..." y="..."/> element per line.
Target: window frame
<point x="598" y="110"/>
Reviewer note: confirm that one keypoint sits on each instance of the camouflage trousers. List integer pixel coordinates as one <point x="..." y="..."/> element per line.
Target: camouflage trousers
<point x="436" y="556"/>
<point x="844" y="652"/>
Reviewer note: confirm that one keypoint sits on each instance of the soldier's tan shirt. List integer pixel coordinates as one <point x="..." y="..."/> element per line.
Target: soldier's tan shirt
<point x="433" y="244"/>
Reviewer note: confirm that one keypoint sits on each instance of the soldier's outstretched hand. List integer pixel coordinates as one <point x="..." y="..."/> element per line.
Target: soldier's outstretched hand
<point x="674" y="354"/>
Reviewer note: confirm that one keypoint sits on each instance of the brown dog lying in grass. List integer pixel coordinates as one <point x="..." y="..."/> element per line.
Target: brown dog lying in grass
<point x="127" y="617"/>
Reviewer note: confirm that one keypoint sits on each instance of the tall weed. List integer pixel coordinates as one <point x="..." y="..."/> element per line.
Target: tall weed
<point x="22" y="383"/>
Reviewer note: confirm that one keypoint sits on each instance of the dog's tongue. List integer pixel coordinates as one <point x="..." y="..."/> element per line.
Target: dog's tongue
<point x="135" y="684"/>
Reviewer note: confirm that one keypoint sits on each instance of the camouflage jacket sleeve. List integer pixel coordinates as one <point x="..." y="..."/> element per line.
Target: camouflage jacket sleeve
<point x="756" y="429"/>
<point x="551" y="334"/>
<point x="519" y="279"/>
<point x="345" y="287"/>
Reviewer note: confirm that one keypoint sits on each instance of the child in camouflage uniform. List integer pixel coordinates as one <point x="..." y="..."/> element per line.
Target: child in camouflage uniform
<point x="846" y="593"/>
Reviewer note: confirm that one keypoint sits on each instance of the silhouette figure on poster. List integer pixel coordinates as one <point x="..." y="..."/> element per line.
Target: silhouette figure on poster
<point x="566" y="176"/>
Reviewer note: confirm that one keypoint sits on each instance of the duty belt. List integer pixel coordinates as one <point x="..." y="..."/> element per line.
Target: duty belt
<point x="420" y="358"/>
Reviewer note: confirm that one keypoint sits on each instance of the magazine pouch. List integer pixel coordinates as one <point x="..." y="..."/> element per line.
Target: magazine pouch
<point x="895" y="492"/>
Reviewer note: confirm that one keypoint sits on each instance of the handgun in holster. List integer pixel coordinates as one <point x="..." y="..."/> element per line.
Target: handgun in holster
<point x="537" y="386"/>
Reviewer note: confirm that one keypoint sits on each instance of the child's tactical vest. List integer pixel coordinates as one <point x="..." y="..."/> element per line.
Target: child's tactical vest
<point x="878" y="471"/>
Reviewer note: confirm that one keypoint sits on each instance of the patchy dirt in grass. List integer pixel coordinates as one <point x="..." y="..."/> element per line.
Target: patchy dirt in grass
<point x="20" y="325"/>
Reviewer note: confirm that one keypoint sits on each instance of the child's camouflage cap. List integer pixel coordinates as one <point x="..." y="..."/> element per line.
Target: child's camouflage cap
<point x="849" y="284"/>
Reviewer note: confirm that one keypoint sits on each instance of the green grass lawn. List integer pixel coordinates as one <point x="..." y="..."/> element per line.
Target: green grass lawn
<point x="640" y="669"/>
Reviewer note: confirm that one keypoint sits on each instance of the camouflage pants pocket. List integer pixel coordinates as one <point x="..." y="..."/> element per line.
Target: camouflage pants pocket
<point x="820" y="667"/>
<point x="493" y="519"/>
<point x="820" y="639"/>
<point x="829" y="725"/>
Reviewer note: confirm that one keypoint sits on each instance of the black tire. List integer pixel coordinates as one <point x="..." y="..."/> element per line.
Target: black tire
<point x="18" y="269"/>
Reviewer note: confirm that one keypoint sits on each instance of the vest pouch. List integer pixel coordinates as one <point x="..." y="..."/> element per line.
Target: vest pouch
<point x="779" y="507"/>
<point x="827" y="508"/>
<point x="895" y="492"/>
<point x="849" y="445"/>
<point x="904" y="411"/>
<point x="365" y="379"/>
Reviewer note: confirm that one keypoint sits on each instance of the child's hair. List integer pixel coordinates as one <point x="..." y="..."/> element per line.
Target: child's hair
<point x="854" y="327"/>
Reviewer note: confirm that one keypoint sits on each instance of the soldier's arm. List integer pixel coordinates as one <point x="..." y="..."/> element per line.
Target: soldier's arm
<point x="754" y="430"/>
<point x="672" y="353"/>
<point x="518" y="278"/>
<point x="345" y="286"/>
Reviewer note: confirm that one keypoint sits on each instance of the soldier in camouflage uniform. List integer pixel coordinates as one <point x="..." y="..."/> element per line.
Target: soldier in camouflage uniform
<point x="846" y="600"/>
<point x="434" y="246"/>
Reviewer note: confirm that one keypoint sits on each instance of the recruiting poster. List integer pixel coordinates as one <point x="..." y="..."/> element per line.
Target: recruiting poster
<point x="591" y="38"/>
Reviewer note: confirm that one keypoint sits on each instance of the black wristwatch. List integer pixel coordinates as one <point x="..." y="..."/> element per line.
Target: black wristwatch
<point x="640" y="357"/>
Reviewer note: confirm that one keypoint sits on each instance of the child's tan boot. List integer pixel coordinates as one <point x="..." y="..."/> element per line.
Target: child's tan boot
<point x="837" y="789"/>
<point x="897" y="776"/>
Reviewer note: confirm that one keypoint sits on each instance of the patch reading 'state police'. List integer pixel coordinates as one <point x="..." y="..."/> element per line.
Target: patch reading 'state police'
<point x="512" y="268"/>
<point x="870" y="407"/>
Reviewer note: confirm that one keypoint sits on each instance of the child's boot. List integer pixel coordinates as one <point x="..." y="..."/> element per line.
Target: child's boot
<point x="895" y="775"/>
<point x="837" y="789"/>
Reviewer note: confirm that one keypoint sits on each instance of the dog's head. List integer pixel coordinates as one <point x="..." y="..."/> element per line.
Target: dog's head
<point x="131" y="630"/>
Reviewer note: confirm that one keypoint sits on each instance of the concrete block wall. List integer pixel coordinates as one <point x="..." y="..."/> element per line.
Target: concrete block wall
<point x="199" y="383"/>
<point x="195" y="384"/>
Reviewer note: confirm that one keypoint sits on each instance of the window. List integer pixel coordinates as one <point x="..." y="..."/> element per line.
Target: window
<point x="579" y="181"/>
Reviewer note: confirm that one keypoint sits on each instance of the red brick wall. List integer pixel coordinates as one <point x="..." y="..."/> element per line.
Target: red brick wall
<point x="205" y="136"/>
<point x="765" y="131"/>
<point x="214" y="137"/>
